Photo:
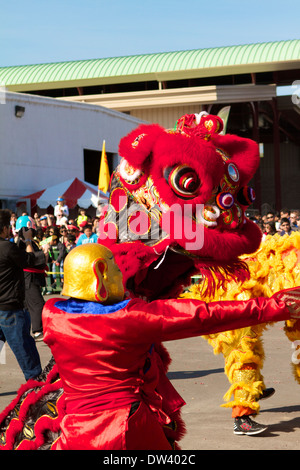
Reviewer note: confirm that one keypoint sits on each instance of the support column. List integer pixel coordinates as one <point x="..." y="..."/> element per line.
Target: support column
<point x="255" y="136"/>
<point x="276" y="143"/>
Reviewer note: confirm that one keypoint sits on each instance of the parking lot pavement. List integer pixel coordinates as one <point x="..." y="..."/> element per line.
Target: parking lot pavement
<point x="199" y="377"/>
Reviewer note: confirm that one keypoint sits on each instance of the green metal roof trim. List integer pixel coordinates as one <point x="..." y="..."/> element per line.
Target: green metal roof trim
<point x="151" y="63"/>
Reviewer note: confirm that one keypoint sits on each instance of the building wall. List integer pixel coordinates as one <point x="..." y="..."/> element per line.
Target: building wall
<point x="289" y="173"/>
<point x="45" y="146"/>
<point x="166" y="117"/>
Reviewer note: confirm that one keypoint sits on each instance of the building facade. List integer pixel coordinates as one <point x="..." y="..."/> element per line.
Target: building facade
<point x="44" y="141"/>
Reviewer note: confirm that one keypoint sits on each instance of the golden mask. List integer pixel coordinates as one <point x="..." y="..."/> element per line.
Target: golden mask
<point x="90" y="273"/>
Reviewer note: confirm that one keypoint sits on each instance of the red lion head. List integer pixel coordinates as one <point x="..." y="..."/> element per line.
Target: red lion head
<point x="177" y="205"/>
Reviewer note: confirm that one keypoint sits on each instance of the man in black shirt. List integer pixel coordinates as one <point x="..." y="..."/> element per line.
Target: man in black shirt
<point x="15" y="321"/>
<point x="34" y="275"/>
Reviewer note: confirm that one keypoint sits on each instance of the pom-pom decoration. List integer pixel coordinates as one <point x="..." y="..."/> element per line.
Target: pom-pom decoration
<point x="246" y="196"/>
<point x="209" y="215"/>
<point x="225" y="200"/>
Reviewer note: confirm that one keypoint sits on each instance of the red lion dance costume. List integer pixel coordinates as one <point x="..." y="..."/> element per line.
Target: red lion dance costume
<point x="177" y="208"/>
<point x="162" y="172"/>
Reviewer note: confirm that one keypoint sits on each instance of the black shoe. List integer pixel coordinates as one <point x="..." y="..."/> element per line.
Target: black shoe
<point x="245" y="425"/>
<point x="267" y="393"/>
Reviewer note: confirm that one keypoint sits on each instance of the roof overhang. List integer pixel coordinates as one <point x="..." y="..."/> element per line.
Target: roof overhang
<point x="276" y="56"/>
<point x="154" y="76"/>
<point x="179" y="96"/>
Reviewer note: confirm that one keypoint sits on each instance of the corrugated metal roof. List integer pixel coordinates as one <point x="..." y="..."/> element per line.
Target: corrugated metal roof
<point x="150" y="64"/>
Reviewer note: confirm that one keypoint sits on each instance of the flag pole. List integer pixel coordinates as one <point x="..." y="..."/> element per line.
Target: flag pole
<point x="104" y="177"/>
<point x="103" y="147"/>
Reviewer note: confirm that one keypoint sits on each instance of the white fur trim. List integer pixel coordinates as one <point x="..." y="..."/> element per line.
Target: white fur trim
<point x="125" y="175"/>
<point x="211" y="217"/>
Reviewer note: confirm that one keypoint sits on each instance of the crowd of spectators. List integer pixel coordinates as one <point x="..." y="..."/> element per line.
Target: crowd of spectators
<point x="59" y="233"/>
<point x="283" y="223"/>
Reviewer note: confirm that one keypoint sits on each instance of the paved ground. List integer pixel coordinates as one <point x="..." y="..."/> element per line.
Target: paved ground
<point x="198" y="375"/>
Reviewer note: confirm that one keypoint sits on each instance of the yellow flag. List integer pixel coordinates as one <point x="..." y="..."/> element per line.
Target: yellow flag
<point x="104" y="176"/>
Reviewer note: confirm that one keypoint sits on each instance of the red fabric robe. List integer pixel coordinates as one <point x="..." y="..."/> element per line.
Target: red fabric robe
<point x="107" y="362"/>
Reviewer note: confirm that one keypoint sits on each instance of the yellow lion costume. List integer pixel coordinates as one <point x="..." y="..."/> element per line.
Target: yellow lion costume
<point x="273" y="267"/>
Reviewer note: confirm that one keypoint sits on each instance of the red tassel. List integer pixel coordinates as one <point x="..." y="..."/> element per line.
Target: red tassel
<point x="216" y="275"/>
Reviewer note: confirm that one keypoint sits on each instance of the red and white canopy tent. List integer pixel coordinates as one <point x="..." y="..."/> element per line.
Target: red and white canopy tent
<point x="75" y="192"/>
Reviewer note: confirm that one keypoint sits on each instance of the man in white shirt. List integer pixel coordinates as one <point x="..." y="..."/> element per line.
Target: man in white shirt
<point x="61" y="219"/>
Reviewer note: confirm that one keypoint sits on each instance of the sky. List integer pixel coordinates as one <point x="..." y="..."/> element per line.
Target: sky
<point x="39" y="31"/>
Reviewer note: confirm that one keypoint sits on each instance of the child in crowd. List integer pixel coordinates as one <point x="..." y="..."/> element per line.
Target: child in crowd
<point x="87" y="236"/>
<point x="61" y="206"/>
<point x="39" y="235"/>
<point x="74" y="230"/>
<point x="61" y="219"/>
<point x="71" y="242"/>
<point x="63" y="234"/>
<point x="57" y="253"/>
<point x="286" y="228"/>
<point x="82" y="217"/>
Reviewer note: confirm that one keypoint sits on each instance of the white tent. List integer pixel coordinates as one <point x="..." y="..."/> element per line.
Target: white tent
<point x="74" y="191"/>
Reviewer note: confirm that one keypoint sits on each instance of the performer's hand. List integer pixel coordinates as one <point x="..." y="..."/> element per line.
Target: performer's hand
<point x="27" y="234"/>
<point x="294" y="309"/>
<point x="291" y="297"/>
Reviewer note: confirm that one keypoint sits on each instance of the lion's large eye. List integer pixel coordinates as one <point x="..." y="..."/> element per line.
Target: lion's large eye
<point x="183" y="180"/>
